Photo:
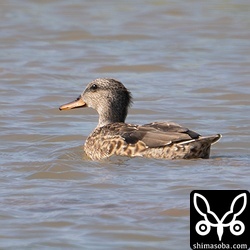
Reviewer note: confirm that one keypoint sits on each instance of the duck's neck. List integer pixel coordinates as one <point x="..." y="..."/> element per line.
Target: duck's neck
<point x="112" y="115"/>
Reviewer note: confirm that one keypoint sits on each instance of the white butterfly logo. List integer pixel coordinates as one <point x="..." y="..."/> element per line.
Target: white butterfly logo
<point x="203" y="227"/>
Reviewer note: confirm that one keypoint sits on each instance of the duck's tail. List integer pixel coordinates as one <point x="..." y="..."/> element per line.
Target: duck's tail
<point x="211" y="138"/>
<point x="200" y="148"/>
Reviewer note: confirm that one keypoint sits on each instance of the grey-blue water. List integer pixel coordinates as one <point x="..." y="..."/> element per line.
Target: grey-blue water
<point x="184" y="61"/>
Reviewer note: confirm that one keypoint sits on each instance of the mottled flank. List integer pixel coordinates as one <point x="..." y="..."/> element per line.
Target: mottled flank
<point x="114" y="137"/>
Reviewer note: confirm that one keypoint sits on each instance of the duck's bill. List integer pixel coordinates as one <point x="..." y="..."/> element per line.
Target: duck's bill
<point x="78" y="103"/>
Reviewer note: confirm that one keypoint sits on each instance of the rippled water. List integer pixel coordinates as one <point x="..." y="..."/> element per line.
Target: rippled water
<point x="184" y="61"/>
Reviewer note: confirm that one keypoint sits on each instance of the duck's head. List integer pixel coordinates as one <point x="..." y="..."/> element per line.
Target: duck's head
<point x="108" y="97"/>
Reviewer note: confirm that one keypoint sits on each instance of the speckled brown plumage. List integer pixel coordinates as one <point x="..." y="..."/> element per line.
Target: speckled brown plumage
<point x="114" y="137"/>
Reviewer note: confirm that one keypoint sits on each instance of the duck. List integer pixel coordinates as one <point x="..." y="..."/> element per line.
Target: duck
<point x="113" y="136"/>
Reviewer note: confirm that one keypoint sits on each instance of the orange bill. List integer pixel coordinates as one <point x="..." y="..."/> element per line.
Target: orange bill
<point x="78" y="103"/>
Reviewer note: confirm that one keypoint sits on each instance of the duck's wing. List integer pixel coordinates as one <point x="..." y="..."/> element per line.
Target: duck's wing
<point x="157" y="134"/>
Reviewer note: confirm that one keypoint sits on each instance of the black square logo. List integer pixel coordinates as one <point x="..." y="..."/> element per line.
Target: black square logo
<point x="219" y="219"/>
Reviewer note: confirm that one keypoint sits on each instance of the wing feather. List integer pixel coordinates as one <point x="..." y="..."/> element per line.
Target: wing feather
<point x="157" y="134"/>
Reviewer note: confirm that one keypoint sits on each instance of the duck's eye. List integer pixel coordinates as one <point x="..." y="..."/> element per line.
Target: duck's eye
<point x="93" y="87"/>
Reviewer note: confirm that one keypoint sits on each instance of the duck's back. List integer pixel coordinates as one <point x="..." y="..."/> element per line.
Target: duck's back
<point x="155" y="140"/>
